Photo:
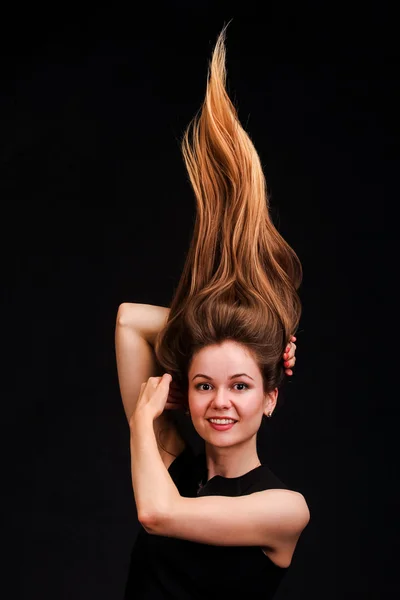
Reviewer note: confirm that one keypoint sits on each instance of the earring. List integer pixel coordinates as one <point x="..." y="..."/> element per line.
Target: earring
<point x="269" y="415"/>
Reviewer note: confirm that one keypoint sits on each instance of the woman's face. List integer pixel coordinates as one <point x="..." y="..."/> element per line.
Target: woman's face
<point x="225" y="381"/>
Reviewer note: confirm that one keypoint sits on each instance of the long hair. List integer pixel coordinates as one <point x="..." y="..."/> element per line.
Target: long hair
<point x="240" y="278"/>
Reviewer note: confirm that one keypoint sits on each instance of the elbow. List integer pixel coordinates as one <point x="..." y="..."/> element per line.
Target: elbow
<point x="307" y="514"/>
<point x="304" y="516"/>
<point x="125" y="314"/>
<point x="149" y="524"/>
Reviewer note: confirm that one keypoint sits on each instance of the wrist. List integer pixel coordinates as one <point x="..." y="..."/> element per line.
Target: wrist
<point x="141" y="420"/>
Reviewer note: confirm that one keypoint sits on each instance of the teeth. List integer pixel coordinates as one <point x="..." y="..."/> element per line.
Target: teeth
<point x="222" y="421"/>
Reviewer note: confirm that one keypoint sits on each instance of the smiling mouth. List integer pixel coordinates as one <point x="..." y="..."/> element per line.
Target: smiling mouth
<point x="230" y="421"/>
<point x="222" y="426"/>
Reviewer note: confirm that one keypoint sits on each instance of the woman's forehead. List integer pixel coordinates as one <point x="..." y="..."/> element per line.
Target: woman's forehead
<point x="221" y="358"/>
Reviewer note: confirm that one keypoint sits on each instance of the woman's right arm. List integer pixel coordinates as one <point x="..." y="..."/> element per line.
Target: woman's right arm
<point x="136" y="330"/>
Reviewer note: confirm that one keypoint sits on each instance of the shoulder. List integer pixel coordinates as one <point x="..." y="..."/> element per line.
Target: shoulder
<point x="288" y="516"/>
<point x="290" y="504"/>
<point x="286" y="512"/>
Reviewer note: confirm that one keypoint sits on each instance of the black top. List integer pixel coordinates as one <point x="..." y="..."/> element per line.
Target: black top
<point x="171" y="568"/>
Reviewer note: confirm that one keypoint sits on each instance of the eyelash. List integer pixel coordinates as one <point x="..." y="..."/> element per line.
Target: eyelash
<point x="199" y="384"/>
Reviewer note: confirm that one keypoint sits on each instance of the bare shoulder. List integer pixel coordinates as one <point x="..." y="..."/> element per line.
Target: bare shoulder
<point x="295" y="517"/>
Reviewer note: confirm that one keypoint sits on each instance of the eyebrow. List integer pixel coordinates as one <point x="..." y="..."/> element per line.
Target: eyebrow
<point x="231" y="376"/>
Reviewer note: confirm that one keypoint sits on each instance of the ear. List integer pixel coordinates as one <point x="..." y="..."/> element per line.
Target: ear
<point x="270" y="401"/>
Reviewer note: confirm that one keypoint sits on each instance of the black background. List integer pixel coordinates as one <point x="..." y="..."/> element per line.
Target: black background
<point x="97" y="210"/>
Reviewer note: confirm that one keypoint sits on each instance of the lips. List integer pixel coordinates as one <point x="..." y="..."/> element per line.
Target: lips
<point x="229" y="418"/>
<point x="222" y="426"/>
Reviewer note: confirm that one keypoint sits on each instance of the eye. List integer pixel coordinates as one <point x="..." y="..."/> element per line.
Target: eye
<point x="245" y="385"/>
<point x="199" y="384"/>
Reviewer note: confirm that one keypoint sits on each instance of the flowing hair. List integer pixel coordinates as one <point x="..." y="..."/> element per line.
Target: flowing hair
<point x="240" y="277"/>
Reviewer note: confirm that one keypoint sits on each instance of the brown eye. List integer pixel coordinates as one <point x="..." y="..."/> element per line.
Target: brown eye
<point x="245" y="385"/>
<point x="199" y="384"/>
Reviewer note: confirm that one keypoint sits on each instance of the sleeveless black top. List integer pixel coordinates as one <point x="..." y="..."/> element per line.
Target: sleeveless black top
<point x="170" y="568"/>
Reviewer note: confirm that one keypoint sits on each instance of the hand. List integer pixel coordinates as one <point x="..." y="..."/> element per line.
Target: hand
<point x="152" y="397"/>
<point x="289" y="356"/>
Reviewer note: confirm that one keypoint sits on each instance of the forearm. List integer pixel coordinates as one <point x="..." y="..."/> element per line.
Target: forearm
<point x="154" y="489"/>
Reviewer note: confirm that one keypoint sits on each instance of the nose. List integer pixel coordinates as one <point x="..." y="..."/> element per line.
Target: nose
<point x="221" y="399"/>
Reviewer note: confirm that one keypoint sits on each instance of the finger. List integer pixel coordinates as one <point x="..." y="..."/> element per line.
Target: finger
<point x="290" y="345"/>
<point x="155" y="381"/>
<point x="163" y="384"/>
<point x="290" y="351"/>
<point x="289" y="362"/>
<point x="289" y="372"/>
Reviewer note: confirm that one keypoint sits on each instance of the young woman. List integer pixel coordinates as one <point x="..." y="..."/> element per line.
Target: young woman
<point x="219" y="522"/>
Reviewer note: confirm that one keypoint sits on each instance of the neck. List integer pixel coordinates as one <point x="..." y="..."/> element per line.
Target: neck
<point x="232" y="461"/>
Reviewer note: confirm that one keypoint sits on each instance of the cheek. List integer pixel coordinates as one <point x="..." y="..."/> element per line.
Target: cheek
<point x="248" y="407"/>
<point x="197" y="405"/>
<point x="252" y="407"/>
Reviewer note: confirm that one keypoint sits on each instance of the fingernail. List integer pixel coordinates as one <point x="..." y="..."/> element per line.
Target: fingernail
<point x="286" y="363"/>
